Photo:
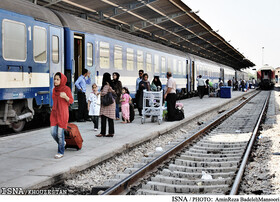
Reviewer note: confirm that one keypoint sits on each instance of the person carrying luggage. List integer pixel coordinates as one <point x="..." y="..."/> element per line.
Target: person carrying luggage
<point x="62" y="98"/>
<point x="125" y="98"/>
<point x="94" y="106"/>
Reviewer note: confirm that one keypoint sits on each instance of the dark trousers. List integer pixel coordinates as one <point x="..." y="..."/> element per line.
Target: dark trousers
<point x="103" y="125"/>
<point x="171" y="103"/>
<point x="201" y="91"/>
<point x="82" y="106"/>
<point x="95" y="121"/>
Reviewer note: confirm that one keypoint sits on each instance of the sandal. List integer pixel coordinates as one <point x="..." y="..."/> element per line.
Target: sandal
<point x="100" y="135"/>
<point x="110" y="135"/>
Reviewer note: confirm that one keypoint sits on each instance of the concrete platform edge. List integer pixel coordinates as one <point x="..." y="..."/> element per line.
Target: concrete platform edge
<point x="95" y="161"/>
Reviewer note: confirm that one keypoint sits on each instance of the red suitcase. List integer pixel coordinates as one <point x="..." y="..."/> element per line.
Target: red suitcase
<point x="73" y="137"/>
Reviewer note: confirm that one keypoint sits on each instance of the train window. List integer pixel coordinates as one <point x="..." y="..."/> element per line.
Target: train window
<point x="156" y="64"/>
<point x="185" y="63"/>
<point x="140" y="60"/>
<point x="179" y="67"/>
<point x="174" y="66"/>
<point x="118" y="57"/>
<point x="149" y="62"/>
<point x="89" y="54"/>
<point x="129" y="59"/>
<point x="163" y="64"/>
<point x="169" y="65"/>
<point x="40" y="44"/>
<point x="104" y="55"/>
<point x="55" y="49"/>
<point x="14" y="40"/>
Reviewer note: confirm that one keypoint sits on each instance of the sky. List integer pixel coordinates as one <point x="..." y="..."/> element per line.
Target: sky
<point x="249" y="25"/>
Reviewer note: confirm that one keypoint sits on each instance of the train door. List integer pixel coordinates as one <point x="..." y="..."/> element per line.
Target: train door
<point x="78" y="63"/>
<point x="78" y="55"/>
<point x="222" y="73"/>
<point x="187" y="75"/>
<point x="56" y="54"/>
<point x="89" y="59"/>
<point x="193" y="73"/>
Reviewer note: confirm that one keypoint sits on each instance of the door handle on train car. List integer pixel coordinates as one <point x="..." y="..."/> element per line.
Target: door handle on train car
<point x="29" y="69"/>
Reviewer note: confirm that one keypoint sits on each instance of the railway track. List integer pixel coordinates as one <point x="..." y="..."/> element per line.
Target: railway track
<point x="211" y="161"/>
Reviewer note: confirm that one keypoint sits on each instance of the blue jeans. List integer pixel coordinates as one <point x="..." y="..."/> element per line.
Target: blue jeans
<point x="58" y="136"/>
<point x="117" y="111"/>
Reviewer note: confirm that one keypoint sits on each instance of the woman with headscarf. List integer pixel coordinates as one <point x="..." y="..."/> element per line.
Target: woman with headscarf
<point x="107" y="112"/>
<point x="117" y="87"/>
<point x="156" y="84"/>
<point x="143" y="85"/>
<point x="62" y="98"/>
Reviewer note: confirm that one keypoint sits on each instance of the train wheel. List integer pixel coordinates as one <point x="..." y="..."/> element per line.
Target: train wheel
<point x="18" y="126"/>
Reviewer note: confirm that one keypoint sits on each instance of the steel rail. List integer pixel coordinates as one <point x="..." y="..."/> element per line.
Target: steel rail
<point x="123" y="186"/>
<point x="235" y="187"/>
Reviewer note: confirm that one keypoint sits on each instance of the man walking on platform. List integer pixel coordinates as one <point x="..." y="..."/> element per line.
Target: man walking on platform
<point x="201" y="86"/>
<point x="81" y="86"/>
<point x="170" y="97"/>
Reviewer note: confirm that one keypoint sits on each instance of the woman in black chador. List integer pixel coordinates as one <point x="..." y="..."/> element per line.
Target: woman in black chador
<point x="144" y="84"/>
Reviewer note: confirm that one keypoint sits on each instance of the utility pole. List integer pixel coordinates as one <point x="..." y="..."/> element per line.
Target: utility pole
<point x="262" y="56"/>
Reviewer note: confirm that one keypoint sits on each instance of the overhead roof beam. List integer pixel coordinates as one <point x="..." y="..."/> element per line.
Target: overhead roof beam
<point x="172" y="1"/>
<point x="52" y="2"/>
<point x="175" y="30"/>
<point x="162" y="19"/>
<point x="125" y="8"/>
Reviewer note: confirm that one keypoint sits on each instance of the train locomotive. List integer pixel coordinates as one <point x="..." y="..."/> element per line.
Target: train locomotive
<point x="38" y="42"/>
<point x="266" y="77"/>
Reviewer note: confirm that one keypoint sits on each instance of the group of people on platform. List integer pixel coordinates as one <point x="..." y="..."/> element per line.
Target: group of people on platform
<point x="93" y="106"/>
<point x="205" y="87"/>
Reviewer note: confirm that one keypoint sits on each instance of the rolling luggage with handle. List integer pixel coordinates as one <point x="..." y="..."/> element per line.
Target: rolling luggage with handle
<point x="73" y="137"/>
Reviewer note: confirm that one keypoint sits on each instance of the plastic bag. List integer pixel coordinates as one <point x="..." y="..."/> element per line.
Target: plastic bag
<point x="206" y="176"/>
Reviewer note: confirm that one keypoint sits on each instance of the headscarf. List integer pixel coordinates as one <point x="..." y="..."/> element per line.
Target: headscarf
<point x="157" y="83"/>
<point x="106" y="79"/>
<point x="117" y="74"/>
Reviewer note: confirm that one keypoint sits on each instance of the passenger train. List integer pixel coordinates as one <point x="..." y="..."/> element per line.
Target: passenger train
<point x="266" y="77"/>
<point x="38" y="42"/>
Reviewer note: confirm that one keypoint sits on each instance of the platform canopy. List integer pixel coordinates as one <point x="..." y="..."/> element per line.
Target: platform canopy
<point x="169" y="22"/>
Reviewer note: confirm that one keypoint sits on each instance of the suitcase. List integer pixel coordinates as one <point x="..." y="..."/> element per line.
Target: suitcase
<point x="131" y="112"/>
<point x="225" y="92"/>
<point x="73" y="137"/>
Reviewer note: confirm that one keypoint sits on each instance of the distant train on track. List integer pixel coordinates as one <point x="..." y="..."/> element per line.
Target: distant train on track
<point x="38" y="42"/>
<point x="266" y="77"/>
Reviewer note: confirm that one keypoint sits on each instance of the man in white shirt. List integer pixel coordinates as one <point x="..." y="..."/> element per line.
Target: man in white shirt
<point x="201" y="86"/>
<point x="170" y="97"/>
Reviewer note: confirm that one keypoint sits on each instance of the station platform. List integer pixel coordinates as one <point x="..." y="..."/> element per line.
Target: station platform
<point x="27" y="159"/>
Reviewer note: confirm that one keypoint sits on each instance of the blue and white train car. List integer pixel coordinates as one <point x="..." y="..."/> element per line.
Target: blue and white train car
<point x="31" y="52"/>
<point x="38" y="42"/>
<point x="102" y="49"/>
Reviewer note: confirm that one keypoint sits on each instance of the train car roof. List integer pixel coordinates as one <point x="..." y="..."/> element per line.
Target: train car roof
<point x="79" y="24"/>
<point x="24" y="7"/>
<point x="266" y="67"/>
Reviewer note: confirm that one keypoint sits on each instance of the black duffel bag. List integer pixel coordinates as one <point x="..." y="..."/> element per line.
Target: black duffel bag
<point x="108" y="99"/>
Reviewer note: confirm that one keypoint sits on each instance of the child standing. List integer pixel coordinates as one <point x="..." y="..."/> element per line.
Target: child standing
<point x="125" y="98"/>
<point x="94" y="105"/>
